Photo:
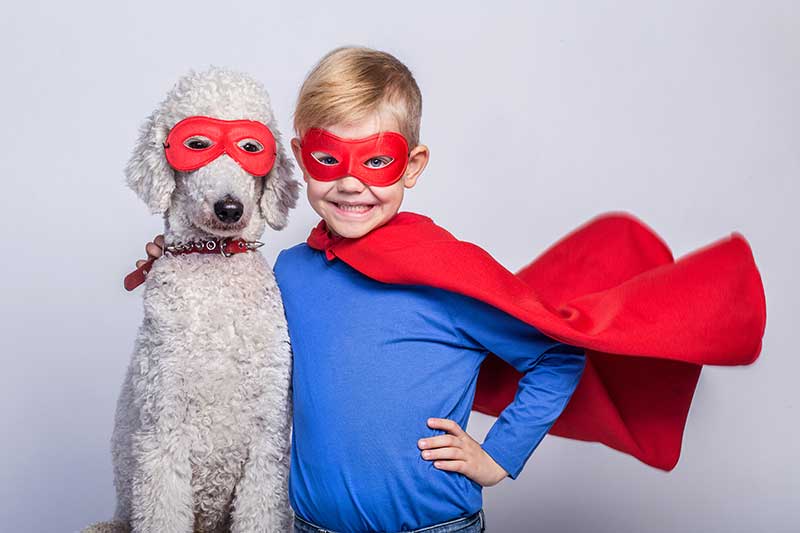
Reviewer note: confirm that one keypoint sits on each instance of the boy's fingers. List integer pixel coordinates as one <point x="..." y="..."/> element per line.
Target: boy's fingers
<point x="438" y="442"/>
<point x="446" y="424"/>
<point x="153" y="250"/>
<point x="140" y="262"/>
<point x="159" y="240"/>
<point x="444" y="453"/>
<point x="452" y="466"/>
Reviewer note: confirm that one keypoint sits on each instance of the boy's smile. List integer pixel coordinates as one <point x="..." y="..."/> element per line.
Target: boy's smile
<point x="350" y="207"/>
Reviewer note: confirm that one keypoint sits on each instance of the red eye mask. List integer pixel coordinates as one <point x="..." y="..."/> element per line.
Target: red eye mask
<point x="352" y="156"/>
<point x="196" y="141"/>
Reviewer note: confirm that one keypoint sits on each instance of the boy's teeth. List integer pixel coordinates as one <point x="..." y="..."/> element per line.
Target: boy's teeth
<point x="356" y="208"/>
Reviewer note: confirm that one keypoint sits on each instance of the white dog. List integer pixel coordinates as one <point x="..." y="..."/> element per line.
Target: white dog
<point x="201" y="437"/>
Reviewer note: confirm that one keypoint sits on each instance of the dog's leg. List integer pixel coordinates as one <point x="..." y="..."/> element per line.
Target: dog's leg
<point x="162" y="493"/>
<point x="161" y="490"/>
<point x="262" y="495"/>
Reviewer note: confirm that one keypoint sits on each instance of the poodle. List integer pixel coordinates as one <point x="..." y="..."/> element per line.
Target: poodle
<point x="201" y="434"/>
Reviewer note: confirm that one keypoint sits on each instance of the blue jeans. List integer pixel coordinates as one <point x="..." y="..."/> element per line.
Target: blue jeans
<point x="474" y="523"/>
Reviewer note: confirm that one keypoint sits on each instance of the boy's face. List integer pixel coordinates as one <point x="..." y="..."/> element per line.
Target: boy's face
<point x="350" y="207"/>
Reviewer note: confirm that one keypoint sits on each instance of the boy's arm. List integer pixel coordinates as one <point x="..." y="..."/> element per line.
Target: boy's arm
<point x="551" y="371"/>
<point x="543" y="393"/>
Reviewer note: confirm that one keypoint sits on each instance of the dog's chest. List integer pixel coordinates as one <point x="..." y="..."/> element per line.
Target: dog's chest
<point x="217" y="315"/>
<point x="205" y="292"/>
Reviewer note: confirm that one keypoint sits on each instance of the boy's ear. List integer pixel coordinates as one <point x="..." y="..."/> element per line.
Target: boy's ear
<point x="297" y="148"/>
<point x="417" y="161"/>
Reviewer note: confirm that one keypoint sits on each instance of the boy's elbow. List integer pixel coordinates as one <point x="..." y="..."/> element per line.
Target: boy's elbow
<point x="570" y="359"/>
<point x="565" y="354"/>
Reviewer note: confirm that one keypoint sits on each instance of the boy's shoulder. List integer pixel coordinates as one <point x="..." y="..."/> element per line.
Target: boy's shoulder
<point x="298" y="248"/>
<point x="293" y="254"/>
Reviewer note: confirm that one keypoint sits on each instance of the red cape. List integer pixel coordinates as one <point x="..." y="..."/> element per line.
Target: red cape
<point x="648" y="323"/>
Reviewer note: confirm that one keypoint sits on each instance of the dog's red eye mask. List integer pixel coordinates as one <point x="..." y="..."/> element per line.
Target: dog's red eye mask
<point x="350" y="156"/>
<point x="196" y="141"/>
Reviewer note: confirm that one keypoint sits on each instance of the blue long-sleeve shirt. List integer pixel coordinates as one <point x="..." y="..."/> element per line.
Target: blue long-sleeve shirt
<point x="372" y="362"/>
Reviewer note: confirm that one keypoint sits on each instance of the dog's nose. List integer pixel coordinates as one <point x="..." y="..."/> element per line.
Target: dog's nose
<point x="228" y="210"/>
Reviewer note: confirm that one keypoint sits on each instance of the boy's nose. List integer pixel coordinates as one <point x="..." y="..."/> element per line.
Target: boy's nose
<point x="350" y="184"/>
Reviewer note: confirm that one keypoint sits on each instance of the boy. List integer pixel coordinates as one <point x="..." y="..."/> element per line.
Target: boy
<point x="390" y="319"/>
<point x="373" y="363"/>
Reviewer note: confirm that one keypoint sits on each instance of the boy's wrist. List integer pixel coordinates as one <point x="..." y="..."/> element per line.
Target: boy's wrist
<point x="497" y="456"/>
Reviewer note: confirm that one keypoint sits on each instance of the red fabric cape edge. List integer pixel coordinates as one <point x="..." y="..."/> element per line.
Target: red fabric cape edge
<point x="647" y="322"/>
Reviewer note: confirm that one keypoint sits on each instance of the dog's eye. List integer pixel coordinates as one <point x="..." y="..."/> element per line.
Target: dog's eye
<point x="325" y="159"/>
<point x="197" y="142"/>
<point x="251" y="145"/>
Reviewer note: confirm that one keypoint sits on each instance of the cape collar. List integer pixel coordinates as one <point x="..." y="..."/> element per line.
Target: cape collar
<point x="321" y="238"/>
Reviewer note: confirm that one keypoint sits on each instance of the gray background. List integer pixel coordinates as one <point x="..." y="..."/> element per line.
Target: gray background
<point x="539" y="116"/>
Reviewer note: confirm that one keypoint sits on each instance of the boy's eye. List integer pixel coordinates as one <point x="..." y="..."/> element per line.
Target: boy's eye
<point x="378" y="162"/>
<point x="250" y="145"/>
<point x="197" y="142"/>
<point x="325" y="159"/>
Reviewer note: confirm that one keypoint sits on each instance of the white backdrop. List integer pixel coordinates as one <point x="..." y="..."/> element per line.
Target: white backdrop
<point x="538" y="115"/>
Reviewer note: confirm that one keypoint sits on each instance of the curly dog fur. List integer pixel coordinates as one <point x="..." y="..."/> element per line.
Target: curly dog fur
<point x="201" y="436"/>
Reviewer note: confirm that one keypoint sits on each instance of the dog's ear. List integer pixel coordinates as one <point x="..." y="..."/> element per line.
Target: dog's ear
<point x="148" y="172"/>
<point x="280" y="190"/>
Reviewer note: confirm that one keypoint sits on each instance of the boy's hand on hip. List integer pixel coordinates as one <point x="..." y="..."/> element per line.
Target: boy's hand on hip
<point x="458" y="452"/>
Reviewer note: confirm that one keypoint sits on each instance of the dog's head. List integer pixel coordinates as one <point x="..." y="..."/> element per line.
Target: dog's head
<point x="221" y="197"/>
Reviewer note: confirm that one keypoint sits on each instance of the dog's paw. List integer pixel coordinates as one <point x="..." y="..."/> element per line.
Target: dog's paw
<point x="107" y="527"/>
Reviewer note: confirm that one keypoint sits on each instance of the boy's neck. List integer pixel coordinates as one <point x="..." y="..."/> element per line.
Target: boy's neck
<point x="335" y="236"/>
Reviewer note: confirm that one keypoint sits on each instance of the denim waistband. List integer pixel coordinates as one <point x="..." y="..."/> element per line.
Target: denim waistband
<point x="442" y="527"/>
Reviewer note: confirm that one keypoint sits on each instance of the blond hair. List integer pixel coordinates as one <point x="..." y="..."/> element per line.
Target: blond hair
<point x="350" y="83"/>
